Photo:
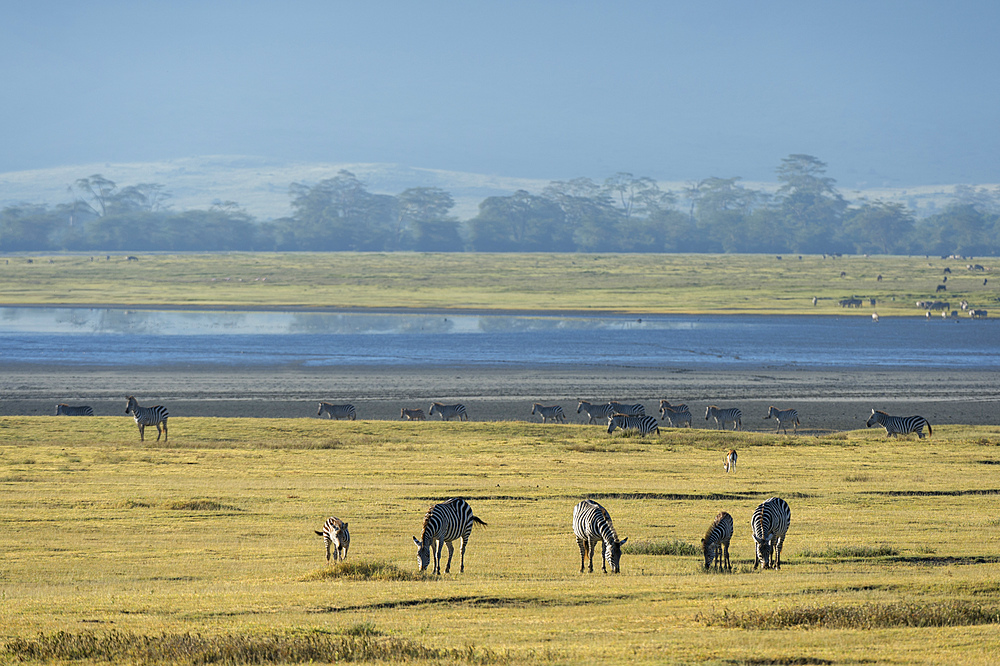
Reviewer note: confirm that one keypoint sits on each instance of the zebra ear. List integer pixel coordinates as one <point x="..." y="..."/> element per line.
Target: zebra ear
<point x="417" y="542"/>
<point x="319" y="533"/>
<point x="345" y="526"/>
<point x="622" y="542"/>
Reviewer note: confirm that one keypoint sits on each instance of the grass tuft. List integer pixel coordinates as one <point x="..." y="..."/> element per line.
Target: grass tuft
<point x="297" y="648"/>
<point x="663" y="547"/>
<point x="853" y="552"/>
<point x="361" y="570"/>
<point x="199" y="505"/>
<point x="866" y="616"/>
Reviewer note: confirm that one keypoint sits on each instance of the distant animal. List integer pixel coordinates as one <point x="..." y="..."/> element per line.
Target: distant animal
<point x="947" y="270"/>
<point x="976" y="267"/>
<point x="337" y="411"/>
<point x="899" y="425"/>
<point x="875" y="317"/>
<point x="978" y="314"/>
<point x="443" y="523"/>
<point x="665" y="404"/>
<point x="631" y="410"/>
<point x="592" y="523"/>
<point x="722" y="416"/>
<point x="594" y="411"/>
<point x="676" y="418"/>
<point x="843" y="273"/>
<point x="145" y="416"/>
<point x="448" y="412"/>
<point x="335" y="532"/>
<point x="715" y="543"/>
<point x="730" y="464"/>
<point x="131" y="258"/>
<point x="550" y="413"/>
<point x="769" y="525"/>
<point x="879" y="278"/>
<point x="942" y="287"/>
<point x="851" y="303"/>
<point x="643" y="424"/>
<point x="784" y="417"/>
<point x="67" y="410"/>
<point x="412" y="414"/>
<point x="815" y="300"/>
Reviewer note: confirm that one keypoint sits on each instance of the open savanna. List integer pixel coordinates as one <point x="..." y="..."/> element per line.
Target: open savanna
<point x="202" y="549"/>
<point x="633" y="283"/>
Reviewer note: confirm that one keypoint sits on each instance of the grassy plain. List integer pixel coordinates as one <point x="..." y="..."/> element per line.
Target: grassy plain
<point x="639" y="283"/>
<point x="202" y="550"/>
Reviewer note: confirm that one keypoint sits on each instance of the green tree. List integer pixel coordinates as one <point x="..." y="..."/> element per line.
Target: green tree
<point x="880" y="225"/>
<point x="27" y="227"/>
<point x="423" y="220"/>
<point x="722" y="209"/>
<point x="339" y="214"/>
<point x="521" y="222"/>
<point x="808" y="205"/>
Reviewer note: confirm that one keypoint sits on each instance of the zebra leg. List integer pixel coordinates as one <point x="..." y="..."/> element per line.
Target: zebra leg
<point x="159" y="432"/>
<point x="164" y="431"/>
<point x="583" y="553"/>
<point x="728" y="565"/>
<point x="437" y="557"/>
<point x="604" y="561"/>
<point x="142" y="431"/>
<point x="465" y="542"/>
<point x="451" y="551"/>
<point x="778" y="543"/>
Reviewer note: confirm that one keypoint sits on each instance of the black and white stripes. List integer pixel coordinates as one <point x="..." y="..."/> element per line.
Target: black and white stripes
<point x="899" y="425"/>
<point x="337" y="411"/>
<point x="783" y="417"/>
<point x="335" y="532"/>
<point x="549" y="412"/>
<point x="71" y="410"/>
<point x="715" y="543"/>
<point x="443" y="523"/>
<point x="449" y="412"/>
<point x="723" y="416"/>
<point x="769" y="524"/>
<point x="643" y="424"/>
<point x="592" y="523"/>
<point x="144" y="416"/>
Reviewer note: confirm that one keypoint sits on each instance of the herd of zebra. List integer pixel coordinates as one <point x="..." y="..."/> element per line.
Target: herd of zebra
<point x="453" y="520"/>
<point x="619" y="416"/>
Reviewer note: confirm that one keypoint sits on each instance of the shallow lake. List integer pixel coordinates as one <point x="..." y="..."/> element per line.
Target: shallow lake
<point x="119" y="337"/>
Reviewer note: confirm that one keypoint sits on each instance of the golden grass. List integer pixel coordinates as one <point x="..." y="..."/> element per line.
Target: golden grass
<point x="203" y="550"/>
<point x="643" y="283"/>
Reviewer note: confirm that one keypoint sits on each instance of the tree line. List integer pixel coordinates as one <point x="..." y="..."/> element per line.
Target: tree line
<point x="625" y="213"/>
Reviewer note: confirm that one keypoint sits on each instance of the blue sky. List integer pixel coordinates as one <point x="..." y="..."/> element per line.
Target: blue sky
<point x="885" y="92"/>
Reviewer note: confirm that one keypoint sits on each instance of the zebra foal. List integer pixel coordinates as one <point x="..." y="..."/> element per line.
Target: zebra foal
<point x="443" y="523"/>
<point x="592" y="523"/>
<point x="665" y="405"/>
<point x="337" y="411"/>
<point x="899" y="425"/>
<point x="594" y="411"/>
<point x="784" y="417"/>
<point x="335" y="532"/>
<point x="554" y="412"/>
<point x="145" y="416"/>
<point x="722" y="416"/>
<point x="63" y="409"/>
<point x="448" y="412"/>
<point x="412" y="414"/>
<point x="715" y="544"/>
<point x="644" y="424"/>
<point x="675" y="417"/>
<point x="769" y="525"/>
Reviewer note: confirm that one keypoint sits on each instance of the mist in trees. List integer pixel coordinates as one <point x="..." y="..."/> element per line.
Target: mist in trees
<point x="624" y="213"/>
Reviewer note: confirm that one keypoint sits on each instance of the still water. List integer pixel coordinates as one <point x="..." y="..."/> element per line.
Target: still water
<point x="118" y="337"/>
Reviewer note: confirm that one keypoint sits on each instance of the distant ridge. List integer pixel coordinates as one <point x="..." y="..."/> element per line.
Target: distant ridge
<point x="260" y="185"/>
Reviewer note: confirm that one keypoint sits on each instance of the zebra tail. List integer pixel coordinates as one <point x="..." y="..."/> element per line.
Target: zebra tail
<point x="929" y="431"/>
<point x="319" y="533"/>
<point x="476" y="519"/>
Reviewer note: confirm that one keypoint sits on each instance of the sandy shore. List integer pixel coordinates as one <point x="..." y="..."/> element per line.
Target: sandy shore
<point x="827" y="400"/>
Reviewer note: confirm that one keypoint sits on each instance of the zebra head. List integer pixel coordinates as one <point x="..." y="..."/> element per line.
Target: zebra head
<point x="423" y="554"/>
<point x="130" y="404"/>
<point x="874" y="418"/>
<point x="764" y="551"/>
<point x="709" y="550"/>
<point x="613" y="554"/>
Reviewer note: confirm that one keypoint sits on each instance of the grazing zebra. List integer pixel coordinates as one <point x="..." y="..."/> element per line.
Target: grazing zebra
<point x="665" y="405"/>
<point x="412" y="414"/>
<point x="675" y="417"/>
<point x="721" y="416"/>
<point x="594" y="411"/>
<point x="63" y="409"/>
<point x="145" y="416"/>
<point x="337" y="411"/>
<point x="555" y="412"/>
<point x="784" y="417"/>
<point x="448" y="412"/>
<point x="730" y="464"/>
<point x="716" y="539"/>
<point x="335" y="532"/>
<point x="630" y="410"/>
<point x="592" y="523"/>
<point x="769" y="524"/>
<point x="644" y="424"/>
<point x="444" y="523"/>
<point x="899" y="425"/>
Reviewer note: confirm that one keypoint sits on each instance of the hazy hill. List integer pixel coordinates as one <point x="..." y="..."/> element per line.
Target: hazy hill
<point x="260" y="185"/>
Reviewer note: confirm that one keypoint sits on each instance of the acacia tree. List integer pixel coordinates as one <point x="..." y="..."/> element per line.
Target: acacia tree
<point x="880" y="224"/>
<point x="809" y="207"/>
<point x="521" y="222"/>
<point x="338" y="214"/>
<point x="722" y="208"/>
<point x="423" y="220"/>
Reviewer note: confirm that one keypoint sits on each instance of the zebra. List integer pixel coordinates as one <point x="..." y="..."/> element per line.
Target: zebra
<point x="592" y="523"/>
<point x="665" y="405"/>
<point x="644" y="424"/>
<point x="144" y="416"/>
<point x="730" y="464"/>
<point x="715" y="544"/>
<point x="555" y="412"/>
<point x="630" y="410"/>
<point x="675" y="417"/>
<point x="412" y="414"/>
<point x="337" y="411"/>
<point x="594" y="411"/>
<point x="721" y="416"/>
<point x="783" y="417"/>
<point x="63" y="409"/>
<point x="335" y="531"/>
<point x="899" y="425"/>
<point x="769" y="524"/>
<point x="448" y="412"/>
<point x="443" y="523"/>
